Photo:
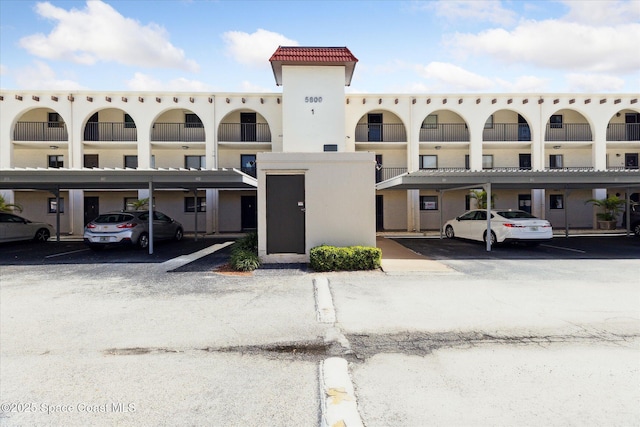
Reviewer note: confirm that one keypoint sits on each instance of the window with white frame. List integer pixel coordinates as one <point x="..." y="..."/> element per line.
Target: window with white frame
<point x="52" y="204"/>
<point x="128" y="122"/>
<point x="555" y="121"/>
<point x="54" y="120"/>
<point x="194" y="162"/>
<point x="430" y="122"/>
<point x="192" y="121"/>
<point x="428" y="161"/>
<point x="189" y="205"/>
<point x="556" y="161"/>
<point x="428" y="203"/>
<point x="556" y="201"/>
<point x="56" y="161"/>
<point x="487" y="161"/>
<point x="131" y="162"/>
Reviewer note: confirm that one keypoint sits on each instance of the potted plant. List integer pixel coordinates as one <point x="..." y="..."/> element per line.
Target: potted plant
<point x="611" y="207"/>
<point x="481" y="198"/>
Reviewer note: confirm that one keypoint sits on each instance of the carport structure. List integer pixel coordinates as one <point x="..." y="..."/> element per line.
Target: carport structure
<point x="55" y="180"/>
<point x="562" y="179"/>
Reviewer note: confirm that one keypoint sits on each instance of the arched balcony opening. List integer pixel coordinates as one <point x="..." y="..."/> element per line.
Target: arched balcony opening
<point x="380" y="126"/>
<point x="110" y="124"/>
<point x="244" y="126"/>
<point x="444" y="126"/>
<point x="40" y="124"/>
<point x="567" y="125"/>
<point x="506" y="125"/>
<point x="178" y="125"/>
<point x="623" y="140"/>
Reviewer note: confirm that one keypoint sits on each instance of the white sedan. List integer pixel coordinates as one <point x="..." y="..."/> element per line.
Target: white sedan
<point x="506" y="225"/>
<point x="14" y="227"/>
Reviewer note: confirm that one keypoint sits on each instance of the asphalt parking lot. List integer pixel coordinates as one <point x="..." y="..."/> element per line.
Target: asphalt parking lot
<point x="575" y="247"/>
<point x="76" y="252"/>
<point x="518" y="336"/>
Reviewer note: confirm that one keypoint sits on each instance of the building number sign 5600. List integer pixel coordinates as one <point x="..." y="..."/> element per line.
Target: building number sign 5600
<point x="313" y="99"/>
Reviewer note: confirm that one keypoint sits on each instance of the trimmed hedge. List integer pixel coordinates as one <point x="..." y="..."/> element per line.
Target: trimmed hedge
<point x="332" y="258"/>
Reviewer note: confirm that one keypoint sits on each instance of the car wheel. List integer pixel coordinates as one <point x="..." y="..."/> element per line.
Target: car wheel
<point x="493" y="238"/>
<point x="636" y="229"/>
<point x="449" y="232"/>
<point x="143" y="241"/>
<point x="42" y="235"/>
<point x="179" y="234"/>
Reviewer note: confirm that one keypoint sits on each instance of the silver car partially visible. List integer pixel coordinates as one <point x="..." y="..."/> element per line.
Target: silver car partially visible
<point x="14" y="228"/>
<point x="130" y="228"/>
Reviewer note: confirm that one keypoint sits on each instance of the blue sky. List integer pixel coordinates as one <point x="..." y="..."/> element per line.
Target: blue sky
<point x="403" y="46"/>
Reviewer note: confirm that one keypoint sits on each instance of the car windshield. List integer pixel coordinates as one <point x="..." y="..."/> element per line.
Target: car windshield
<point x="516" y="215"/>
<point x="113" y="218"/>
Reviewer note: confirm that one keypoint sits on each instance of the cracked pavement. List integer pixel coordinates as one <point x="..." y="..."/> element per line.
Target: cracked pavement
<point x="504" y="343"/>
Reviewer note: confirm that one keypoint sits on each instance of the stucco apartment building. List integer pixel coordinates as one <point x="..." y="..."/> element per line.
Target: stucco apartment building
<point x="441" y="133"/>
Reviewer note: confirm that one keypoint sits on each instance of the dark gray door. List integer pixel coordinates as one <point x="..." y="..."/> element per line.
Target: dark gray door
<point x="91" y="208"/>
<point x="248" y="213"/>
<point x="285" y="214"/>
<point x="248" y="126"/>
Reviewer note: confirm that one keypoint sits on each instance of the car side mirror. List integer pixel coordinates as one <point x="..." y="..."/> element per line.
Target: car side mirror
<point x="457" y="218"/>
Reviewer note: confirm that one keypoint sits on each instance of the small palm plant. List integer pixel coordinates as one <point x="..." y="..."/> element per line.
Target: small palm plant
<point x="8" y="207"/>
<point x="139" y="204"/>
<point x="481" y="198"/>
<point x="611" y="207"/>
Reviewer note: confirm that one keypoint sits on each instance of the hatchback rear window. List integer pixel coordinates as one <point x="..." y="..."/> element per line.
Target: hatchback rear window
<point x="113" y="218"/>
<point x="515" y="214"/>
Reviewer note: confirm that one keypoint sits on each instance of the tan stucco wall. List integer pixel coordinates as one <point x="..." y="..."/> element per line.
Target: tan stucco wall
<point x="339" y="197"/>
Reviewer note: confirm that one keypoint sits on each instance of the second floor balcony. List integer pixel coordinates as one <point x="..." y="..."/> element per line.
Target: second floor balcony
<point x="445" y="132"/>
<point x="623" y="132"/>
<point x="507" y="132"/>
<point x="382" y="173"/>
<point x="183" y="132"/>
<point x="380" y="132"/>
<point x="568" y="132"/>
<point x="110" y="131"/>
<point x="40" y="131"/>
<point x="244" y="132"/>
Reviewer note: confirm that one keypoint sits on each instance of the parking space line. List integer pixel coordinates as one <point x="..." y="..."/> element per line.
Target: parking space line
<point x="565" y="249"/>
<point x="67" y="253"/>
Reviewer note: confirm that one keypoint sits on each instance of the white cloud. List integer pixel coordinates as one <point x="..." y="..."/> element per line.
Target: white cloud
<point x="603" y="12"/>
<point x="525" y="84"/>
<point x="455" y="77"/>
<point x="474" y="10"/>
<point x="144" y="82"/>
<point x="42" y="76"/>
<point x="100" y="33"/>
<point x="254" y="49"/>
<point x="594" y="83"/>
<point x="559" y="45"/>
<point x="250" y="87"/>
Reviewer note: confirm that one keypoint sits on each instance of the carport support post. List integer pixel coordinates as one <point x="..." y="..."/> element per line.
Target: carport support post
<point x="487" y="188"/>
<point x="195" y="212"/>
<point x="150" y="217"/>
<point x="57" y="194"/>
<point x="566" y="214"/>
<point x="440" y="206"/>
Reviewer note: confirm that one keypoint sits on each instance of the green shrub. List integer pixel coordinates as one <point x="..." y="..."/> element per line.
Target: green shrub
<point x="244" y="260"/>
<point x="332" y="258"/>
<point x="244" y="253"/>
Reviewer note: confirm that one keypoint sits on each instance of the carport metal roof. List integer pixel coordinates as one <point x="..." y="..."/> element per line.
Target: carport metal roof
<point x="561" y="179"/>
<point x="120" y="179"/>
<point x="55" y="180"/>
<point x="509" y="179"/>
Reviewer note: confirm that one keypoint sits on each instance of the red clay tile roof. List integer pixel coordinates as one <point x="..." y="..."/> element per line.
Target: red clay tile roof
<point x="298" y="55"/>
<point x="313" y="54"/>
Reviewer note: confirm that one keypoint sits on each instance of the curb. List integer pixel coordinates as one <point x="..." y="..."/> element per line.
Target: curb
<point x="339" y="406"/>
